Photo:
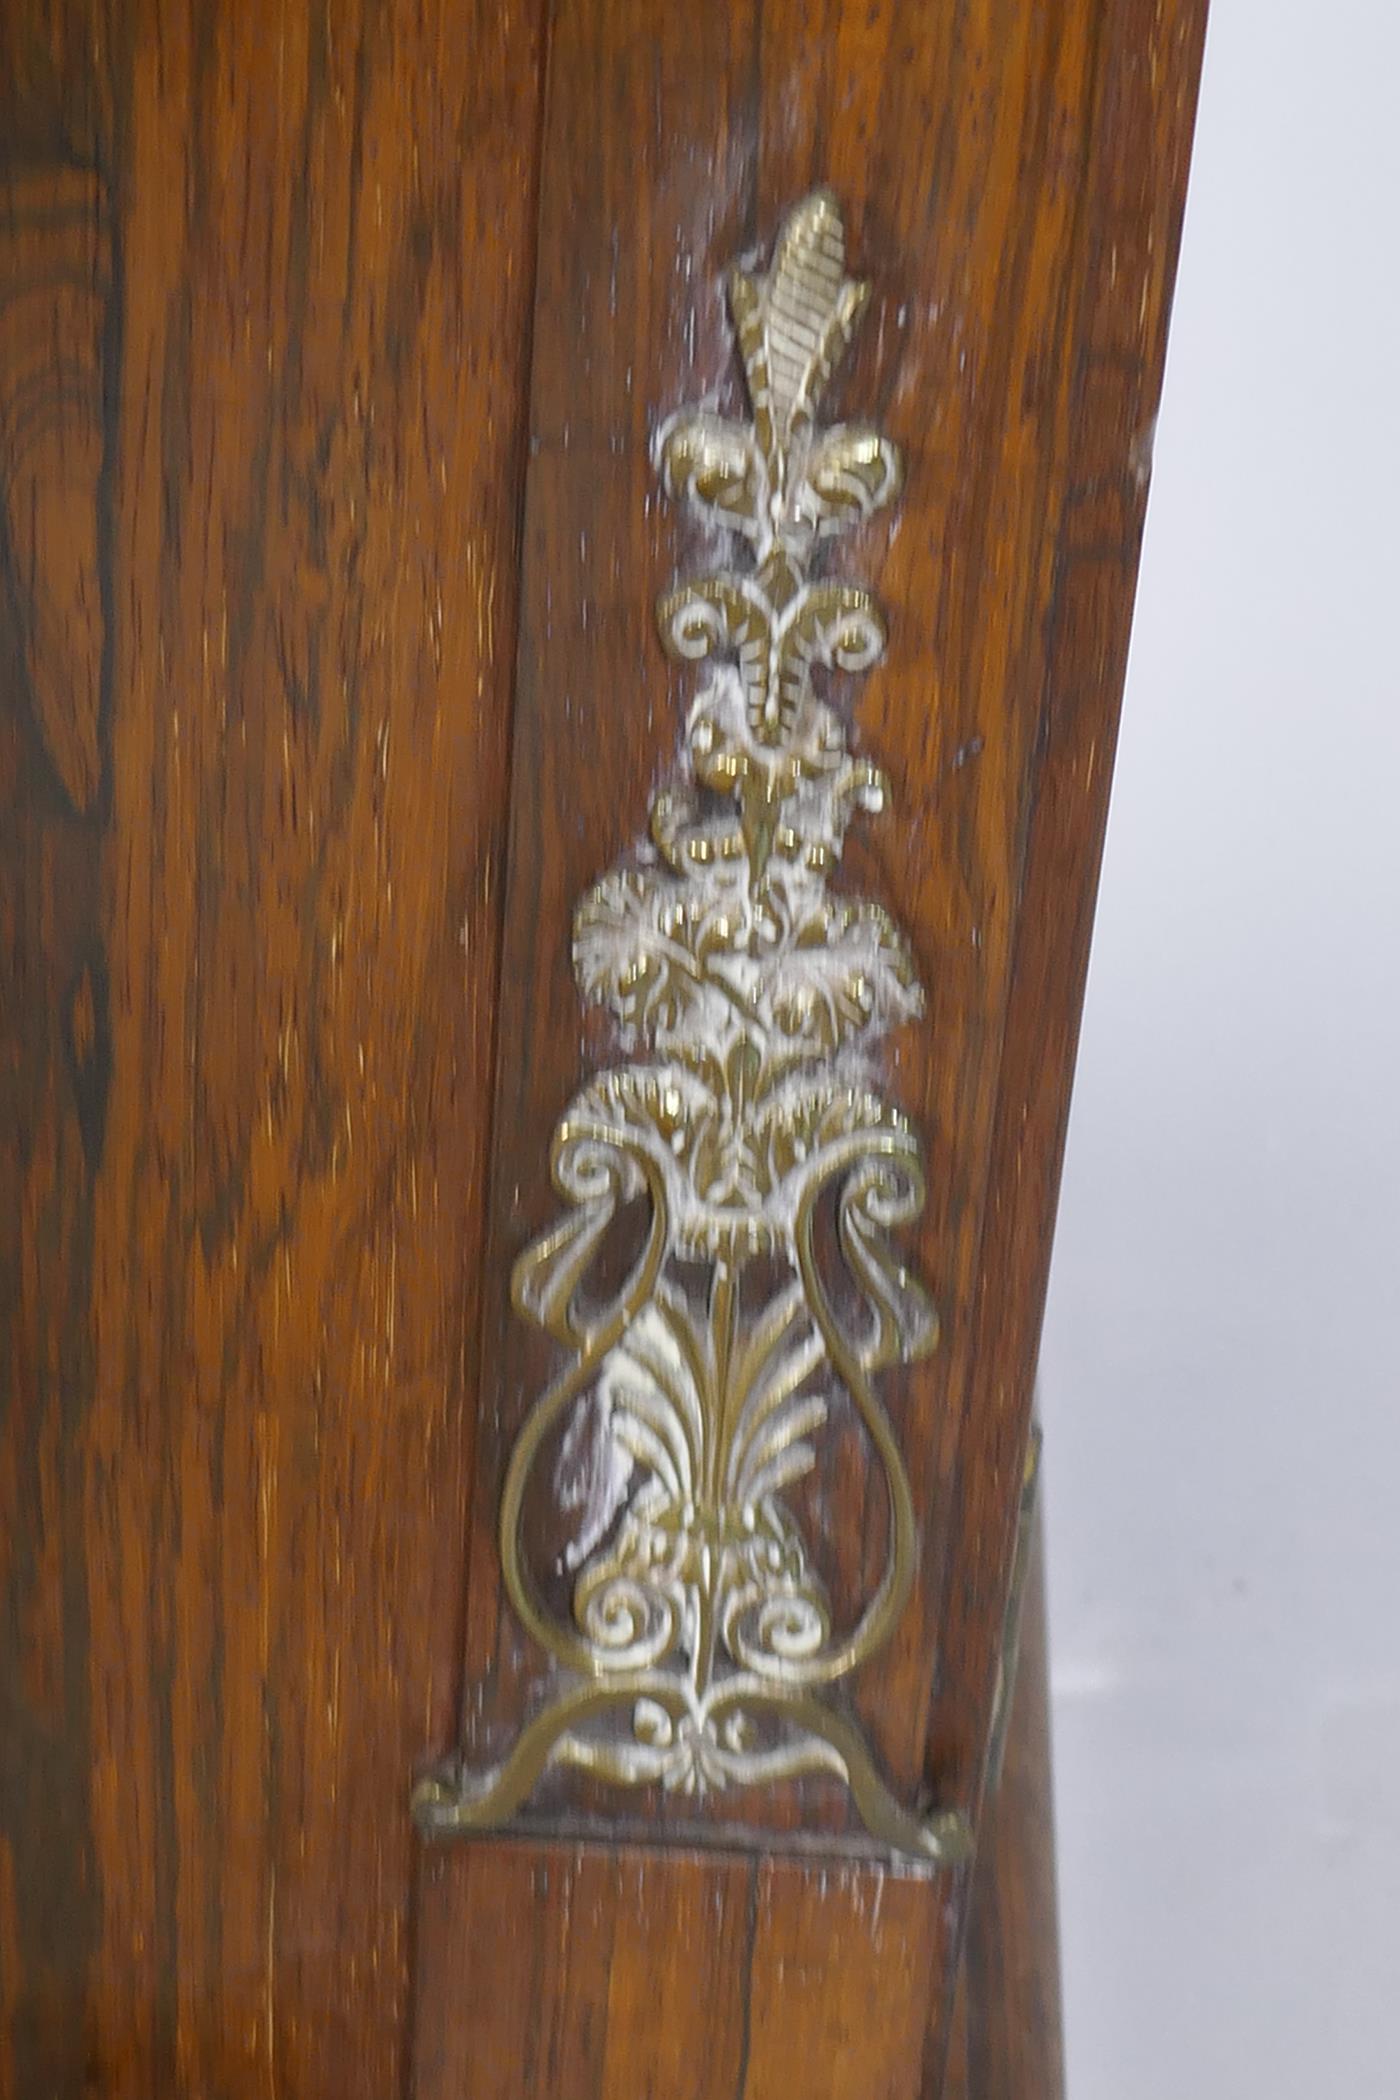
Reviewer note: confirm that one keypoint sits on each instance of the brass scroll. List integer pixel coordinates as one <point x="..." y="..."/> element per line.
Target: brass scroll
<point x="700" y="1650"/>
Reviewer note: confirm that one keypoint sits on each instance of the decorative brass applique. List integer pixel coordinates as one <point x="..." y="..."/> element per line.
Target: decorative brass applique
<point x="701" y="1648"/>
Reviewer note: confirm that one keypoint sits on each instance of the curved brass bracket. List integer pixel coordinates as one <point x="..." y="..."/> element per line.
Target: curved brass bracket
<point x="701" y="1651"/>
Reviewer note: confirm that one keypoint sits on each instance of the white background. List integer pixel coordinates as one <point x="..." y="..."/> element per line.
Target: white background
<point x="1221" y="1368"/>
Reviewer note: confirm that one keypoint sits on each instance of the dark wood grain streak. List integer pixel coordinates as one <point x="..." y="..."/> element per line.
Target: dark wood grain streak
<point x="1006" y="2034"/>
<point x="60" y="364"/>
<point x="264" y="294"/>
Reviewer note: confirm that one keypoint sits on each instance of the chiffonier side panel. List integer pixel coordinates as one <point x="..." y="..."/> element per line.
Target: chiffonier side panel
<point x="1012" y="183"/>
<point x="968" y="149"/>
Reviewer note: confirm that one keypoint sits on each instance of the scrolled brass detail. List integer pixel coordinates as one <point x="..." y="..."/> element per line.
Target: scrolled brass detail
<point x="701" y="1650"/>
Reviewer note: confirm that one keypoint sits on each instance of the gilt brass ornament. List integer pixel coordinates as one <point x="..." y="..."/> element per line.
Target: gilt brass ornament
<point x="701" y="1650"/>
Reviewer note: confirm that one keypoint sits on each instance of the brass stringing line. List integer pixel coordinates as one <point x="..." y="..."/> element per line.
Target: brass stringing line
<point x="893" y="1593"/>
<point x="701" y="1640"/>
<point x="573" y="1653"/>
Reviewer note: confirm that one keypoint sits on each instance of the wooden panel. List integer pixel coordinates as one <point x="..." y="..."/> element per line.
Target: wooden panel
<point x="1012" y="179"/>
<point x="263" y="307"/>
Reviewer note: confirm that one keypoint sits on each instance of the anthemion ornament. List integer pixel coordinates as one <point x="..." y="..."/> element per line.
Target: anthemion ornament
<point x="700" y="1651"/>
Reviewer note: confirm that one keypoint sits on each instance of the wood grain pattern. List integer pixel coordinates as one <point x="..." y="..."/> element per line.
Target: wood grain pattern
<point x="58" y="356"/>
<point x="264" y="278"/>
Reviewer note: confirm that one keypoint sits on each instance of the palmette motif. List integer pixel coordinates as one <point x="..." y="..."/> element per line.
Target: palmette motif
<point x="701" y="1646"/>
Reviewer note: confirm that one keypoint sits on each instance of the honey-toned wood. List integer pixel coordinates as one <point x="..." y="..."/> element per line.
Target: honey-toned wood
<point x="1006" y="2034"/>
<point x="264" y="303"/>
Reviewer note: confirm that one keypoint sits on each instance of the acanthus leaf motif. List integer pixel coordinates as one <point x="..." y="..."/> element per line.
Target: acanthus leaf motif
<point x="748" y="996"/>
